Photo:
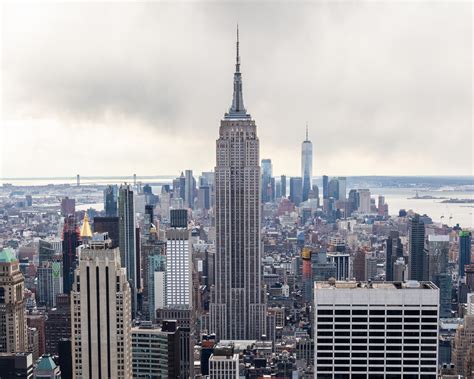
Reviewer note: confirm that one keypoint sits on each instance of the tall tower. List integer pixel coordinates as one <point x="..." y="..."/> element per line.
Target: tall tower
<point x="306" y="165"/>
<point x="13" y="334"/>
<point x="71" y="240"/>
<point x="101" y="314"/>
<point x="238" y="309"/>
<point x="127" y="244"/>
<point x="416" y="249"/>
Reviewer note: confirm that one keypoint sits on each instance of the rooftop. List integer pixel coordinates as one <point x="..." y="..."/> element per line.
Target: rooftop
<point x="7" y="255"/>
<point x="411" y="284"/>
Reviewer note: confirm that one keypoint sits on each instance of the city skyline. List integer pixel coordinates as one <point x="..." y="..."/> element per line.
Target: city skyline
<point x="353" y="97"/>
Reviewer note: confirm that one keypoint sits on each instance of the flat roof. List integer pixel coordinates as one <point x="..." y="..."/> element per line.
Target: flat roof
<point x="411" y="284"/>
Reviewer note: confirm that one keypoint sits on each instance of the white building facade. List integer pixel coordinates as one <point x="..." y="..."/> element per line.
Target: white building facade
<point x="385" y="330"/>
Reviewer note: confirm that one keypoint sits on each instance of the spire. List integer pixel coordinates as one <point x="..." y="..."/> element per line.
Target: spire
<point x="307" y="131"/>
<point x="237" y="109"/>
<point x="237" y="57"/>
<point x="86" y="231"/>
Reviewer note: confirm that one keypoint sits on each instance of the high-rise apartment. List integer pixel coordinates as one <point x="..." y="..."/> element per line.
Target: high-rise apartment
<point x="127" y="239"/>
<point x="101" y="314"/>
<point x="306" y="165"/>
<point x="237" y="309"/>
<point x="178" y="261"/>
<point x="386" y="330"/>
<point x="13" y="327"/>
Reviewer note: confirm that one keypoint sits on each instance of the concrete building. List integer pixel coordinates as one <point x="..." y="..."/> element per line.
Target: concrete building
<point x="224" y="363"/>
<point x="101" y="314"/>
<point x="238" y="308"/>
<point x="462" y="345"/>
<point x="13" y="326"/>
<point x="16" y="365"/>
<point x="342" y="262"/>
<point x="178" y="262"/>
<point x="155" y="351"/>
<point x="46" y="368"/>
<point x="379" y="329"/>
<point x="364" y="201"/>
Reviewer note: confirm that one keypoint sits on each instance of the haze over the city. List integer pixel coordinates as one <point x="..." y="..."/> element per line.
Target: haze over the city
<point x="386" y="87"/>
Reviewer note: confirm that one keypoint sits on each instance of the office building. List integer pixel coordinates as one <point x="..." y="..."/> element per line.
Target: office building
<point x="376" y="329"/>
<point x="65" y="357"/>
<point x="50" y="283"/>
<point x="178" y="261"/>
<point x="342" y="262"/>
<point x="190" y="185"/>
<point x="57" y="325"/>
<point x="416" y="249"/>
<point x="296" y="190"/>
<point x="393" y="251"/>
<point x="325" y="187"/>
<point x="68" y="207"/>
<point x="306" y="166"/>
<point x="127" y="240"/>
<point x="13" y="326"/>
<point x="46" y="251"/>
<point x="16" y="365"/>
<point x="267" y="172"/>
<point x="333" y="189"/>
<point x="110" y="201"/>
<point x="464" y="251"/>
<point x="155" y="351"/>
<point x="462" y="346"/>
<point x="46" y="368"/>
<point x="101" y="314"/>
<point x="237" y="309"/>
<point x="364" y="201"/>
<point x="109" y="225"/>
<point x="224" y="363"/>
<point x="71" y="240"/>
<point x="283" y="185"/>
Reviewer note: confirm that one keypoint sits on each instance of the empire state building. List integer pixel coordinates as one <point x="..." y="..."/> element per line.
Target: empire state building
<point x="238" y="308"/>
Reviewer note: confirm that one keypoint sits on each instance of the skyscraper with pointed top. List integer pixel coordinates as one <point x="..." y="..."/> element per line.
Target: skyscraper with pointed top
<point x="238" y="309"/>
<point x="306" y="165"/>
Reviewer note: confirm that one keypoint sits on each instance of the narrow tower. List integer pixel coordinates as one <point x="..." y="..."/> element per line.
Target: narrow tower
<point x="238" y="309"/>
<point x="306" y="165"/>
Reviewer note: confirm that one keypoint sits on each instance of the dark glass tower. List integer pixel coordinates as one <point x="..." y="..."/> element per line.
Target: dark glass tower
<point x="110" y="201"/>
<point x="394" y="250"/>
<point x="71" y="241"/>
<point x="296" y="190"/>
<point x="127" y="241"/>
<point x="464" y="251"/>
<point x="416" y="249"/>
<point x="325" y="187"/>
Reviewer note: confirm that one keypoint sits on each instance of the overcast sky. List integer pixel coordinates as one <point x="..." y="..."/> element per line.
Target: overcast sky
<point x="122" y="88"/>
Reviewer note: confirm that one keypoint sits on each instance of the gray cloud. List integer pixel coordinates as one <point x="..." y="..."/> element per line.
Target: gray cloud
<point x="385" y="86"/>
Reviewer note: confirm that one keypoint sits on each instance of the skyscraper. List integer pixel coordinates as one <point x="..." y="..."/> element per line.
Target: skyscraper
<point x="127" y="242"/>
<point x="416" y="248"/>
<point x="178" y="261"/>
<point x="71" y="241"/>
<point x="464" y="250"/>
<point x="238" y="309"/>
<point x="296" y="190"/>
<point x="325" y="187"/>
<point x="101" y="314"/>
<point x="283" y="185"/>
<point x="189" y="186"/>
<point x="306" y="165"/>
<point x="110" y="201"/>
<point x="394" y="250"/>
<point x="13" y="329"/>
<point x="266" y="180"/>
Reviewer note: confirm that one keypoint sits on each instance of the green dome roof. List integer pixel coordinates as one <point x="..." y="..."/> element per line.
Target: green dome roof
<point x="7" y="255"/>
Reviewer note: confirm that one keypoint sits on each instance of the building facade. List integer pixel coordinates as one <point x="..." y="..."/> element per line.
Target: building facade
<point x="386" y="330"/>
<point x="237" y="309"/>
<point x="13" y="325"/>
<point x="101" y="315"/>
<point x="306" y="165"/>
